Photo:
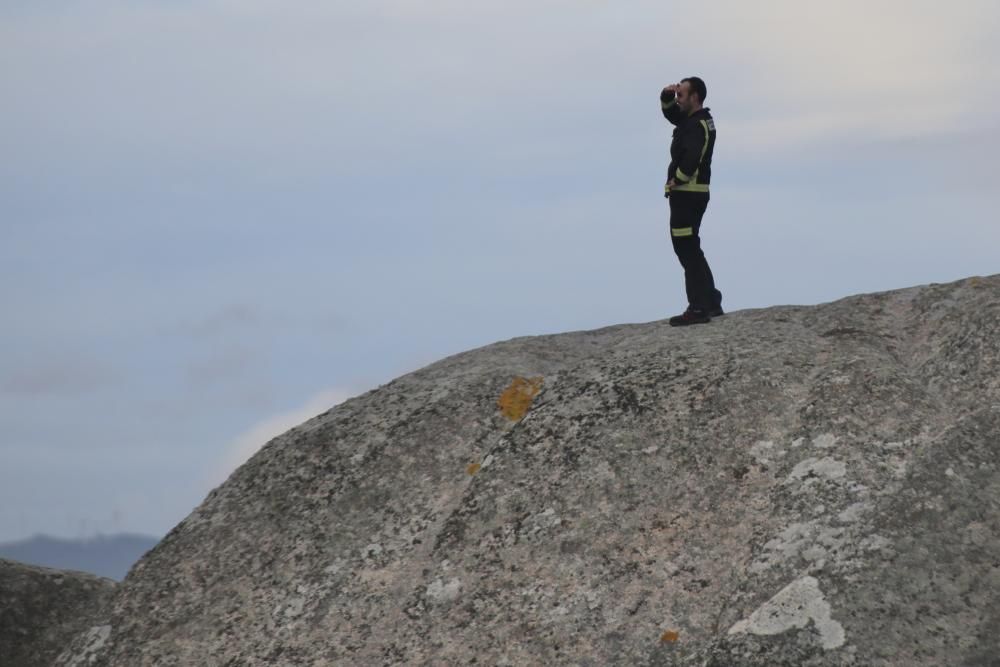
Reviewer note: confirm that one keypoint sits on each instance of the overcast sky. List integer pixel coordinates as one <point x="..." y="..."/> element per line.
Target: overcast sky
<point x="219" y="218"/>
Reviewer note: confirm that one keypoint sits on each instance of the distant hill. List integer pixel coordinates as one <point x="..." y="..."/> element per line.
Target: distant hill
<point x="108" y="556"/>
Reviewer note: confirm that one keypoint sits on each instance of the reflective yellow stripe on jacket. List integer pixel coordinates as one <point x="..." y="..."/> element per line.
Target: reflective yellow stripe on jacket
<point x="691" y="184"/>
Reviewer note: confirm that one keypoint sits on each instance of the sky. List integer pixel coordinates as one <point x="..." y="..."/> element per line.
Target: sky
<point x="221" y="217"/>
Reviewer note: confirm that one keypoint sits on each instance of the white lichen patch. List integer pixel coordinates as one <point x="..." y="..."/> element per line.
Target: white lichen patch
<point x="859" y="489"/>
<point x="764" y="451"/>
<point x="824" y="441"/>
<point x="294" y="604"/>
<point x="440" y="592"/>
<point x="811" y="470"/>
<point x="853" y="512"/>
<point x="294" y="607"/>
<point x="840" y="378"/>
<point x="90" y="647"/>
<point x="547" y="519"/>
<point x="875" y="543"/>
<point x="558" y="612"/>
<point x="898" y="469"/>
<point x="811" y="541"/>
<point x="794" y="607"/>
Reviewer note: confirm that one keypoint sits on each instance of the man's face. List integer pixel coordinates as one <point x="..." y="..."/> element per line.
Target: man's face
<point x="684" y="100"/>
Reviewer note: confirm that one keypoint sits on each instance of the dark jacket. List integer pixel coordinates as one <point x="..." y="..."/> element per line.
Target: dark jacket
<point x="692" y="146"/>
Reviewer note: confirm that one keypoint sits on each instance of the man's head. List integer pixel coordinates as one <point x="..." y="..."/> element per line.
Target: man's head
<point x="691" y="94"/>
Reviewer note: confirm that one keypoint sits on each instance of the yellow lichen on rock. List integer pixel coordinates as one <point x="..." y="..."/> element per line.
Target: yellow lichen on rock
<point x="516" y="399"/>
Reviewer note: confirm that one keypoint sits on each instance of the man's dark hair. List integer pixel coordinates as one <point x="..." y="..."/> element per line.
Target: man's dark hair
<point x="697" y="86"/>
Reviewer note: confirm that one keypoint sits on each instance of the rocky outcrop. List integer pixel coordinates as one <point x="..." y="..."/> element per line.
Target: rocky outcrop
<point x="788" y="486"/>
<point x="41" y="610"/>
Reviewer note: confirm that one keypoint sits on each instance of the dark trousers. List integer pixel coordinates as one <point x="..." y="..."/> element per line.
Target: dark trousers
<point x="686" y="211"/>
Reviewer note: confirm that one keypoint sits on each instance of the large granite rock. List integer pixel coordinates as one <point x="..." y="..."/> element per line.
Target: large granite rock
<point x="42" y="610"/>
<point x="788" y="486"/>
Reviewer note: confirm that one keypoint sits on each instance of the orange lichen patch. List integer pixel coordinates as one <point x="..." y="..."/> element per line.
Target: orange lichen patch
<point x="473" y="468"/>
<point x="670" y="636"/>
<point x="516" y="399"/>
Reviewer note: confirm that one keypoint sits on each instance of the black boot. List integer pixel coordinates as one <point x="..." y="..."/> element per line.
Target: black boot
<point x="690" y="316"/>
<point x="716" y="309"/>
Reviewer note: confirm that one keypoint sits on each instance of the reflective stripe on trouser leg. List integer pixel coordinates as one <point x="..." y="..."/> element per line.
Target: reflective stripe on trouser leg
<point x="686" y="212"/>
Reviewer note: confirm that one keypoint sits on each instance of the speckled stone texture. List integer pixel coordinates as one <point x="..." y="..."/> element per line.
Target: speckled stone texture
<point x="789" y="486"/>
<point x="42" y="610"/>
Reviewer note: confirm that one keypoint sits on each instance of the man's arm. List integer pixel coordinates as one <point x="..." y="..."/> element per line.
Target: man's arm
<point x="668" y="103"/>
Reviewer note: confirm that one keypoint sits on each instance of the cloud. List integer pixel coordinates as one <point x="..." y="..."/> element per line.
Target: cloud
<point x="259" y="88"/>
<point x="810" y="72"/>
<point x="59" y="376"/>
<point x="222" y="365"/>
<point x="245" y="445"/>
<point x="225" y="320"/>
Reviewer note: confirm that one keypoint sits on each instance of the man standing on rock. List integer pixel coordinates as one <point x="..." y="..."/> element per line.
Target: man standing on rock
<point x="688" y="176"/>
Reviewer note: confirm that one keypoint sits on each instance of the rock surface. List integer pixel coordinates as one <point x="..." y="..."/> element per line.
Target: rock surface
<point x="789" y="486"/>
<point x="42" y="610"/>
